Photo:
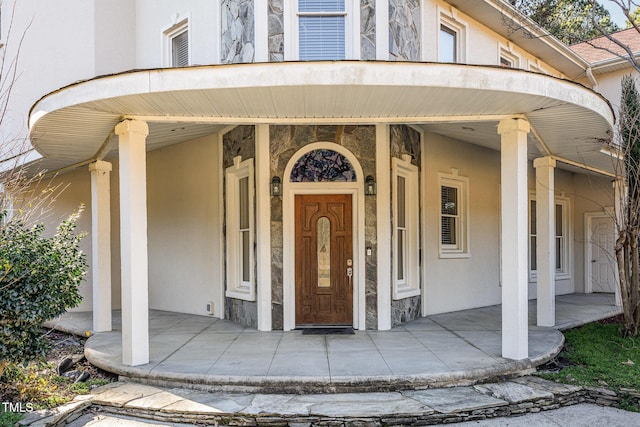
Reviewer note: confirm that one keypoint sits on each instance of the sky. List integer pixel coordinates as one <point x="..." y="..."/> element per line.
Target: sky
<point x="614" y="11"/>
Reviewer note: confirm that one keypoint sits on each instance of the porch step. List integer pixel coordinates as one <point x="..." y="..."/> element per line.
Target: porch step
<point x="431" y="406"/>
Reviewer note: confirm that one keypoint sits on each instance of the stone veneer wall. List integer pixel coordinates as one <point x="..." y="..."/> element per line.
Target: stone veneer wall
<point x="285" y="141"/>
<point x="404" y="30"/>
<point x="405" y="140"/>
<point x="238" y="35"/>
<point x="238" y="142"/>
<point x="276" y="31"/>
<point x="367" y="30"/>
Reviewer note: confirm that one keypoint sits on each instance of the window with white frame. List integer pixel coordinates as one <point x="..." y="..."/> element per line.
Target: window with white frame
<point x="508" y="59"/>
<point x="451" y="39"/>
<point x="406" y="247"/>
<point x="562" y="242"/>
<point x="177" y="45"/>
<point x="322" y="25"/>
<point x="240" y="229"/>
<point x="454" y="194"/>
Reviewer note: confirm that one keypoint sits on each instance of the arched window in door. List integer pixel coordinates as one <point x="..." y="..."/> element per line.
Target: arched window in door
<point x="323" y="165"/>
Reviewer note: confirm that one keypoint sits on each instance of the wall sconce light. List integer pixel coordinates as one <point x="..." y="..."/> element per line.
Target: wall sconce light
<point x="369" y="186"/>
<point x="276" y="186"/>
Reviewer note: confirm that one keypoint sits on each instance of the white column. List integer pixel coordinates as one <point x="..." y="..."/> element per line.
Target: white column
<point x="101" y="244"/>
<point x="513" y="179"/>
<point x="545" y="241"/>
<point x="263" y="227"/>
<point x="133" y="241"/>
<point x="383" y="225"/>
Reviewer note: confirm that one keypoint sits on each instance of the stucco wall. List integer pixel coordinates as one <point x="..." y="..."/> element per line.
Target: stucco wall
<point x="154" y="17"/>
<point x="461" y="283"/>
<point x="72" y="190"/>
<point x="184" y="226"/>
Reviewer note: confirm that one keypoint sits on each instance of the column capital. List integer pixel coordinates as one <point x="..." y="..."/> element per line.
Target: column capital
<point x="544" y="161"/>
<point x="100" y="165"/>
<point x="132" y="126"/>
<point x="513" y="124"/>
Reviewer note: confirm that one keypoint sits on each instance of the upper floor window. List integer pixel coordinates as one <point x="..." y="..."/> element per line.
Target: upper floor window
<point x="452" y="38"/>
<point x="448" y="44"/>
<point x="317" y="30"/>
<point x="177" y="45"/>
<point x="507" y="58"/>
<point x="321" y="29"/>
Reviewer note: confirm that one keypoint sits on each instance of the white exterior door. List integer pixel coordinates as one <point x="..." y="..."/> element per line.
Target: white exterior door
<point x="603" y="275"/>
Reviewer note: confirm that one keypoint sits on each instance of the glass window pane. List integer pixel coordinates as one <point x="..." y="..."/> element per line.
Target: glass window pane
<point x="559" y="220"/>
<point x="532" y="254"/>
<point x="449" y="230"/>
<point x="447" y="44"/>
<point x="449" y="196"/>
<point x="324" y="252"/>
<point x="246" y="273"/>
<point x="400" y="256"/>
<point x="401" y="220"/>
<point x="559" y="252"/>
<point x="320" y="5"/>
<point x="532" y="213"/>
<point x="323" y="166"/>
<point x="180" y="50"/>
<point x="321" y="37"/>
<point x="243" y="196"/>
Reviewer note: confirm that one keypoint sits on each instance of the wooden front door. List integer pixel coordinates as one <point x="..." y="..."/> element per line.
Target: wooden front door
<point x="324" y="260"/>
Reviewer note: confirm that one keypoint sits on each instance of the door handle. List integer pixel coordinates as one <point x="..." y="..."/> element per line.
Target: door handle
<point x="349" y="274"/>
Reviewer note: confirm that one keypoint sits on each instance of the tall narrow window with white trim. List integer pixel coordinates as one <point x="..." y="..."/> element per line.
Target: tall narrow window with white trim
<point x="177" y="45"/>
<point x="452" y="37"/>
<point x="448" y="44"/>
<point x="406" y="268"/>
<point x="240" y="230"/>
<point x="561" y="240"/>
<point x="453" y="215"/>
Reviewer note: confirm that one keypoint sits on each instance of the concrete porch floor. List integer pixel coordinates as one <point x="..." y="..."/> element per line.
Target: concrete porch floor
<point x="459" y="348"/>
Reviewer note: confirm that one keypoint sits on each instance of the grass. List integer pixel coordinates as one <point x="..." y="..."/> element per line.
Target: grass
<point x="600" y="357"/>
<point x="8" y="419"/>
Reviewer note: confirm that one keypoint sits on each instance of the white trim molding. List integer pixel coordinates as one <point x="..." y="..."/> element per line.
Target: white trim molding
<point x="240" y="271"/>
<point x="406" y="227"/>
<point x="459" y="249"/>
<point x="289" y="191"/>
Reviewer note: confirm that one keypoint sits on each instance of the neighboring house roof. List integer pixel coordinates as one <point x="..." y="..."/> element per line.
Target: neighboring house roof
<point x="602" y="51"/>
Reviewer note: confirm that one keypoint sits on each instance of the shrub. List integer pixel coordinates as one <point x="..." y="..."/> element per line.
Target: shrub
<point x="39" y="279"/>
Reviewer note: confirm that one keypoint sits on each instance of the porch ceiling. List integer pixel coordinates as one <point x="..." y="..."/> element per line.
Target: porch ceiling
<point x="75" y="123"/>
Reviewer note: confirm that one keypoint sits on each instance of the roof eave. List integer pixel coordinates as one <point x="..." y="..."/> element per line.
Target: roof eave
<point x="533" y="38"/>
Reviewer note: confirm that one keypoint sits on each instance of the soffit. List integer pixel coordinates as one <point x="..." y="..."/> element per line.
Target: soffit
<point x="72" y="124"/>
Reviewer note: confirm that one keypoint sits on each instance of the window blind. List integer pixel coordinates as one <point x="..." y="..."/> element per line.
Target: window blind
<point x="180" y="50"/>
